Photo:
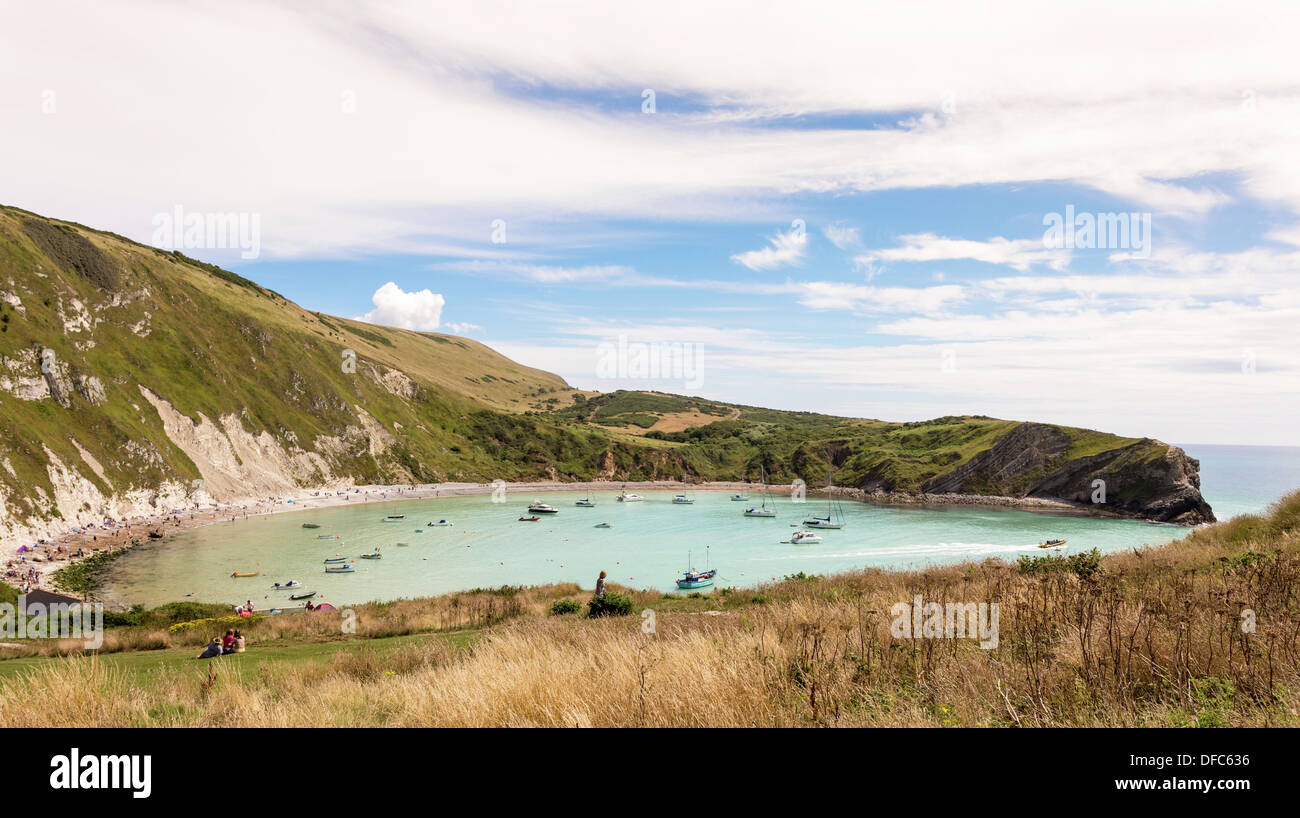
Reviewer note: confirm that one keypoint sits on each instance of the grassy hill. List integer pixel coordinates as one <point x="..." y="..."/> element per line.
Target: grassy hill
<point x="128" y="374"/>
<point x="1199" y="632"/>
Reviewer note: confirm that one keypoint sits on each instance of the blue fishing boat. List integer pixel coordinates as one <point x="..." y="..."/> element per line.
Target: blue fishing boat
<point x="336" y="559"/>
<point x="697" y="579"/>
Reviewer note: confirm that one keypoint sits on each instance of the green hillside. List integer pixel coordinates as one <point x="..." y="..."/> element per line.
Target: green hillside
<point x="128" y="373"/>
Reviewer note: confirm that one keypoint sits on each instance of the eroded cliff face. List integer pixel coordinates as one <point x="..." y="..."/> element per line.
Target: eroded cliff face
<point x="1147" y="479"/>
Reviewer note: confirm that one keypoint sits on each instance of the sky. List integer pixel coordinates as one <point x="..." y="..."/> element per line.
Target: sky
<point x="874" y="210"/>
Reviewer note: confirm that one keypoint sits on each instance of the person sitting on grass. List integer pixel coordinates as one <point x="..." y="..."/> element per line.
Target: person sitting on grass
<point x="213" y="649"/>
<point x="239" y="641"/>
<point x="228" y="643"/>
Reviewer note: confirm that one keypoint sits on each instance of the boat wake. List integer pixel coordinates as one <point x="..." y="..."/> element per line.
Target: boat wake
<point x="952" y="549"/>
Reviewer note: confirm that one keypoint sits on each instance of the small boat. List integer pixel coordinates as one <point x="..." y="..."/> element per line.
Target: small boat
<point x="394" y="518"/>
<point x="761" y="511"/>
<point x="374" y="556"/>
<point x="683" y="499"/>
<point x="803" y="537"/>
<point x="336" y="559"/>
<point x="339" y="569"/>
<point x="834" y="518"/>
<point x="739" y="498"/>
<point x="603" y="525"/>
<point x="310" y="525"/>
<point x="245" y="573"/>
<point x="419" y="531"/>
<point x="542" y="508"/>
<point x="303" y="595"/>
<point x="327" y="536"/>
<point x="529" y="519"/>
<point x="697" y="579"/>
<point x="440" y="523"/>
<point x="403" y="544"/>
<point x="585" y="503"/>
<point x="690" y="579"/>
<point x="1055" y="545"/>
<point x="293" y="583"/>
<point x="625" y="497"/>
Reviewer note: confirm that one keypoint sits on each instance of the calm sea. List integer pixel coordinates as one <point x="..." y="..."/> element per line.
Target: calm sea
<point x="649" y="545"/>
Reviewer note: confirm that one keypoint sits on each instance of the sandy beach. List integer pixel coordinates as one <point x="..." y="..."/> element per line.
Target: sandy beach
<point x="33" y="567"/>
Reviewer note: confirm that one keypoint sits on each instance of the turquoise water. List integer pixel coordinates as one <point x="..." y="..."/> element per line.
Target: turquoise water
<point x="648" y="547"/>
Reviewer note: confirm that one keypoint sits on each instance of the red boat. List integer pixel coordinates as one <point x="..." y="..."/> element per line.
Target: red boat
<point x="532" y="519"/>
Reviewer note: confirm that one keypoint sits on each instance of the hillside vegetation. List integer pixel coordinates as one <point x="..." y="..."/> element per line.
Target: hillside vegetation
<point x="1202" y="632"/>
<point x="134" y="380"/>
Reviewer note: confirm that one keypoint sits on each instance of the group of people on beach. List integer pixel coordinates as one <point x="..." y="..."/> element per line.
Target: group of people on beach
<point x="232" y="642"/>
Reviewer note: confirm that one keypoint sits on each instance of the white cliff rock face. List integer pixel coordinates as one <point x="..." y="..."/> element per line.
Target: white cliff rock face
<point x="80" y="502"/>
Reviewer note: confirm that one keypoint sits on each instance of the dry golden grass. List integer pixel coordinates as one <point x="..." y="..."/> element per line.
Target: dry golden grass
<point x="1153" y="638"/>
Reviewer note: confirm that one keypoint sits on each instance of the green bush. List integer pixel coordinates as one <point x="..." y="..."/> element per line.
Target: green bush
<point x="564" y="606"/>
<point x="610" y="604"/>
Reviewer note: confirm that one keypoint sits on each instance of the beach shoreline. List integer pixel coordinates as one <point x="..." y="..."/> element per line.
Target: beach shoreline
<point x="58" y="547"/>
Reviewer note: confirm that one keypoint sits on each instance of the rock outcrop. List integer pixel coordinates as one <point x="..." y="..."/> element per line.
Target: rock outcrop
<point x="1147" y="479"/>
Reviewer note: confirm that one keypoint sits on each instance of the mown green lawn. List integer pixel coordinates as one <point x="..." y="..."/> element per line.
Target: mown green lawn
<point x="142" y="664"/>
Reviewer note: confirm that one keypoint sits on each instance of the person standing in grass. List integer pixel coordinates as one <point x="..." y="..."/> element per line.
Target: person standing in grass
<point x="600" y="584"/>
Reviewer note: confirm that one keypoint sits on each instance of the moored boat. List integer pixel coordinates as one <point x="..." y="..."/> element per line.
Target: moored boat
<point x="629" y="497"/>
<point x="303" y="595"/>
<point x="440" y="523"/>
<point x="697" y="579"/>
<point x="394" y="518"/>
<point x="374" y="556"/>
<point x="310" y="525"/>
<point x="763" y="510"/>
<point x="339" y="569"/>
<point x="585" y="503"/>
<point x="803" y="537"/>
<point x="245" y="573"/>
<point x="293" y="583"/>
<point x="603" y="525"/>
<point x="542" y="508"/>
<point x="335" y="559"/>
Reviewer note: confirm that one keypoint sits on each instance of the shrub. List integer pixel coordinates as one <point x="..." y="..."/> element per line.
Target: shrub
<point x="564" y="606"/>
<point x="609" y="604"/>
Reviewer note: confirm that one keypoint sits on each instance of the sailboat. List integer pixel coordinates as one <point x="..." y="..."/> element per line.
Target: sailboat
<point x="697" y="579"/>
<point x="834" y="514"/>
<point x="764" y="511"/>
<point x="585" y="502"/>
<point x="683" y="499"/>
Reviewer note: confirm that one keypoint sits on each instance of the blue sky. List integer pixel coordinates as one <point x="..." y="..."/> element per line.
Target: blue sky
<point x="841" y="209"/>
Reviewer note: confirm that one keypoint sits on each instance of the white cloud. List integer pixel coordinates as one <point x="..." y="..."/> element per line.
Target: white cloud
<point x="1018" y="254"/>
<point x="1135" y="128"/>
<point x="786" y="248"/>
<point x="419" y="310"/>
<point x="843" y="236"/>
